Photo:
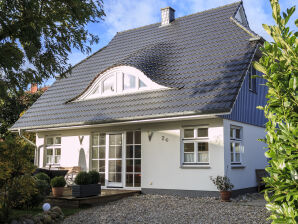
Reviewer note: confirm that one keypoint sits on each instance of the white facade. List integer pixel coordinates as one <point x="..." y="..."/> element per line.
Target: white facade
<point x="243" y="176"/>
<point x="162" y="152"/>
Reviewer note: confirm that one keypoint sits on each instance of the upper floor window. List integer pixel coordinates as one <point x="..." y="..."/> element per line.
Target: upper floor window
<point x="119" y="80"/>
<point x="53" y="150"/>
<point x="195" y="146"/>
<point x="252" y="81"/>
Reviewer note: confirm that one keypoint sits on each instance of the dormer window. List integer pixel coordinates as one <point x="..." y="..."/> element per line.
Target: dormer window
<point x="109" y="85"/>
<point x="119" y="80"/>
<point x="129" y="82"/>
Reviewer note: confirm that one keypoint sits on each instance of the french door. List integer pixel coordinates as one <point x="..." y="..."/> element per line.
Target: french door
<point x="117" y="157"/>
<point x="114" y="160"/>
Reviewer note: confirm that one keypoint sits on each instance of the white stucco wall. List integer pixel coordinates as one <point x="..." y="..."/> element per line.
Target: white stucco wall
<point x="253" y="155"/>
<point x="73" y="152"/>
<point x="161" y="160"/>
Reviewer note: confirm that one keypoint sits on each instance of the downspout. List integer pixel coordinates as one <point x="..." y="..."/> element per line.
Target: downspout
<point x="31" y="143"/>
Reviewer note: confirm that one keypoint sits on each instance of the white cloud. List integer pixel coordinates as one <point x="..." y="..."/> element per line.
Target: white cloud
<point x="123" y="15"/>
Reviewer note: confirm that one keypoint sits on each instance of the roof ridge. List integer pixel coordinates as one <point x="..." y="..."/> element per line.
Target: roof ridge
<point x="207" y="10"/>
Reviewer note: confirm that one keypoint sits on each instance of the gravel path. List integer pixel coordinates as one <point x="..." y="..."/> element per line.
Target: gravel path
<point x="170" y="209"/>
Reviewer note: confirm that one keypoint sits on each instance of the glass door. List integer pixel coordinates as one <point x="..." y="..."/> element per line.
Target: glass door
<point x="115" y="161"/>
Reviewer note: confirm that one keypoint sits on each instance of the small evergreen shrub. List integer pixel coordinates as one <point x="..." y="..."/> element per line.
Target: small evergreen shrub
<point x="83" y="178"/>
<point x="222" y="183"/>
<point x="43" y="176"/>
<point x="95" y="177"/>
<point x="58" y="182"/>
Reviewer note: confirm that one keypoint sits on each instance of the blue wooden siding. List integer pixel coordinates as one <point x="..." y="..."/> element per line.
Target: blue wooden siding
<point x="244" y="109"/>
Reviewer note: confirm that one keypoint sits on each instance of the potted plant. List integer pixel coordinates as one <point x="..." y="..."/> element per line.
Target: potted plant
<point x="58" y="184"/>
<point x="86" y="184"/>
<point x="224" y="186"/>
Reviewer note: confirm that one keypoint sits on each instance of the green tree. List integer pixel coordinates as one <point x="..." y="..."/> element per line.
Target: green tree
<point x="36" y="37"/>
<point x="12" y="106"/>
<point x="279" y="67"/>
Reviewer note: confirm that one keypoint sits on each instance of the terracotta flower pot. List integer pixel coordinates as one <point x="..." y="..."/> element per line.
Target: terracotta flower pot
<point x="57" y="191"/>
<point x="225" y="195"/>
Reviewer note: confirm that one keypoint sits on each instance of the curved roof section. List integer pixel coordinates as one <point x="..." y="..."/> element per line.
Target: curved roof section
<point x="203" y="58"/>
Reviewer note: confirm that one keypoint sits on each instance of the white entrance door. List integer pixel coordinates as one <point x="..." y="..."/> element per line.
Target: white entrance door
<point x="114" y="160"/>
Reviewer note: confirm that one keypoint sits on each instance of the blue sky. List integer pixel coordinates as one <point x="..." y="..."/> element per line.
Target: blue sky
<point x="127" y="14"/>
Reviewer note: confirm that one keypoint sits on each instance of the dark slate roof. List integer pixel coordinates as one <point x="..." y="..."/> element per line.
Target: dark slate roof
<point x="201" y="57"/>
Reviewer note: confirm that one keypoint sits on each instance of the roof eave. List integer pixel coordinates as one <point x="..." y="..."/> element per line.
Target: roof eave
<point x="124" y="121"/>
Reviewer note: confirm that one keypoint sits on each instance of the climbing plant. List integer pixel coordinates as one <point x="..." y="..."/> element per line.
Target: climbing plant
<point x="279" y="67"/>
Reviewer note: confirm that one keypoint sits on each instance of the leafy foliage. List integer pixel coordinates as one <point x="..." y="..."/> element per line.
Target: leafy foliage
<point x="58" y="182"/>
<point x="222" y="183"/>
<point x="95" y="177"/>
<point x="36" y="37"/>
<point x="12" y="106"/>
<point x="279" y="67"/>
<point x="16" y="165"/>
<point x="43" y="176"/>
<point x="83" y="178"/>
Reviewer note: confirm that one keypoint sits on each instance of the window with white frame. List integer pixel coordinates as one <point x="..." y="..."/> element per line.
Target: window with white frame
<point x="236" y="147"/>
<point x="133" y="159"/>
<point x="252" y="81"/>
<point x="195" y="146"/>
<point x="122" y="79"/>
<point x="98" y="155"/>
<point x="53" y="150"/>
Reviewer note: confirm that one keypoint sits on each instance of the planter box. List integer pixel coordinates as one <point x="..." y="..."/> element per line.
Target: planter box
<point x="80" y="191"/>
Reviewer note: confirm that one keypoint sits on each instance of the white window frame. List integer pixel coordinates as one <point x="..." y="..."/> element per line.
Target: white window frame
<point x="53" y="147"/>
<point x="119" y="72"/>
<point x="234" y="140"/>
<point x="195" y="140"/>
<point x="101" y="85"/>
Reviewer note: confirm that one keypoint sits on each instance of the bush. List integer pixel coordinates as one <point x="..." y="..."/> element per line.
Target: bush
<point x="222" y="183"/>
<point x="43" y="188"/>
<point x="27" y="192"/>
<point x="21" y="191"/>
<point x="43" y="176"/>
<point x="58" y="182"/>
<point x="279" y="67"/>
<point x="95" y="177"/>
<point x="83" y="178"/>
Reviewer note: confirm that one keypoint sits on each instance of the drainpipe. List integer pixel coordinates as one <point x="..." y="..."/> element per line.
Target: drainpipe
<point x="31" y="143"/>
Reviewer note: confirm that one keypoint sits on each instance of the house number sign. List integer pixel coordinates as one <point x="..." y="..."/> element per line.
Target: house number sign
<point x="164" y="139"/>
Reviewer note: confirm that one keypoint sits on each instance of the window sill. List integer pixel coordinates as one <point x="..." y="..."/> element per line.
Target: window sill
<point x="237" y="166"/>
<point x="196" y="166"/>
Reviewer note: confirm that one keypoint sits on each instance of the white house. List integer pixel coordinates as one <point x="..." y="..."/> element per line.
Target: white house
<point x="161" y="108"/>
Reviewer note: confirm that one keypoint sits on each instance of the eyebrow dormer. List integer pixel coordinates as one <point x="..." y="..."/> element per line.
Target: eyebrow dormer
<point x="119" y="80"/>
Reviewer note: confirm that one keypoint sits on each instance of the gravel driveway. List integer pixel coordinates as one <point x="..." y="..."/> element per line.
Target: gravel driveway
<point x="171" y="209"/>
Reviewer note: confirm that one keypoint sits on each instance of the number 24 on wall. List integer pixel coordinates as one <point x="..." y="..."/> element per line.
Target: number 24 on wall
<point x="164" y="139"/>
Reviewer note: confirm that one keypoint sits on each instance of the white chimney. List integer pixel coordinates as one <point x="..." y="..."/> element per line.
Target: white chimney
<point x="167" y="15"/>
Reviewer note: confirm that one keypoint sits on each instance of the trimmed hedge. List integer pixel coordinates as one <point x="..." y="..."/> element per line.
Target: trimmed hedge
<point x="58" y="182"/>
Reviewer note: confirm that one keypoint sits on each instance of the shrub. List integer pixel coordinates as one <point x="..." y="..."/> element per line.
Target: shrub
<point x="222" y="183"/>
<point x="83" y="178"/>
<point x="279" y="67"/>
<point x="43" y="188"/>
<point x="95" y="177"/>
<point x="58" y="182"/>
<point x="43" y="176"/>
<point x="21" y="191"/>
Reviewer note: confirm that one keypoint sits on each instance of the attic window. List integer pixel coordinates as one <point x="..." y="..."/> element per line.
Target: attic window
<point x="119" y="80"/>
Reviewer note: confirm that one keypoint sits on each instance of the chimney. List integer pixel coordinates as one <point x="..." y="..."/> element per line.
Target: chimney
<point x="34" y="88"/>
<point x="167" y="16"/>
